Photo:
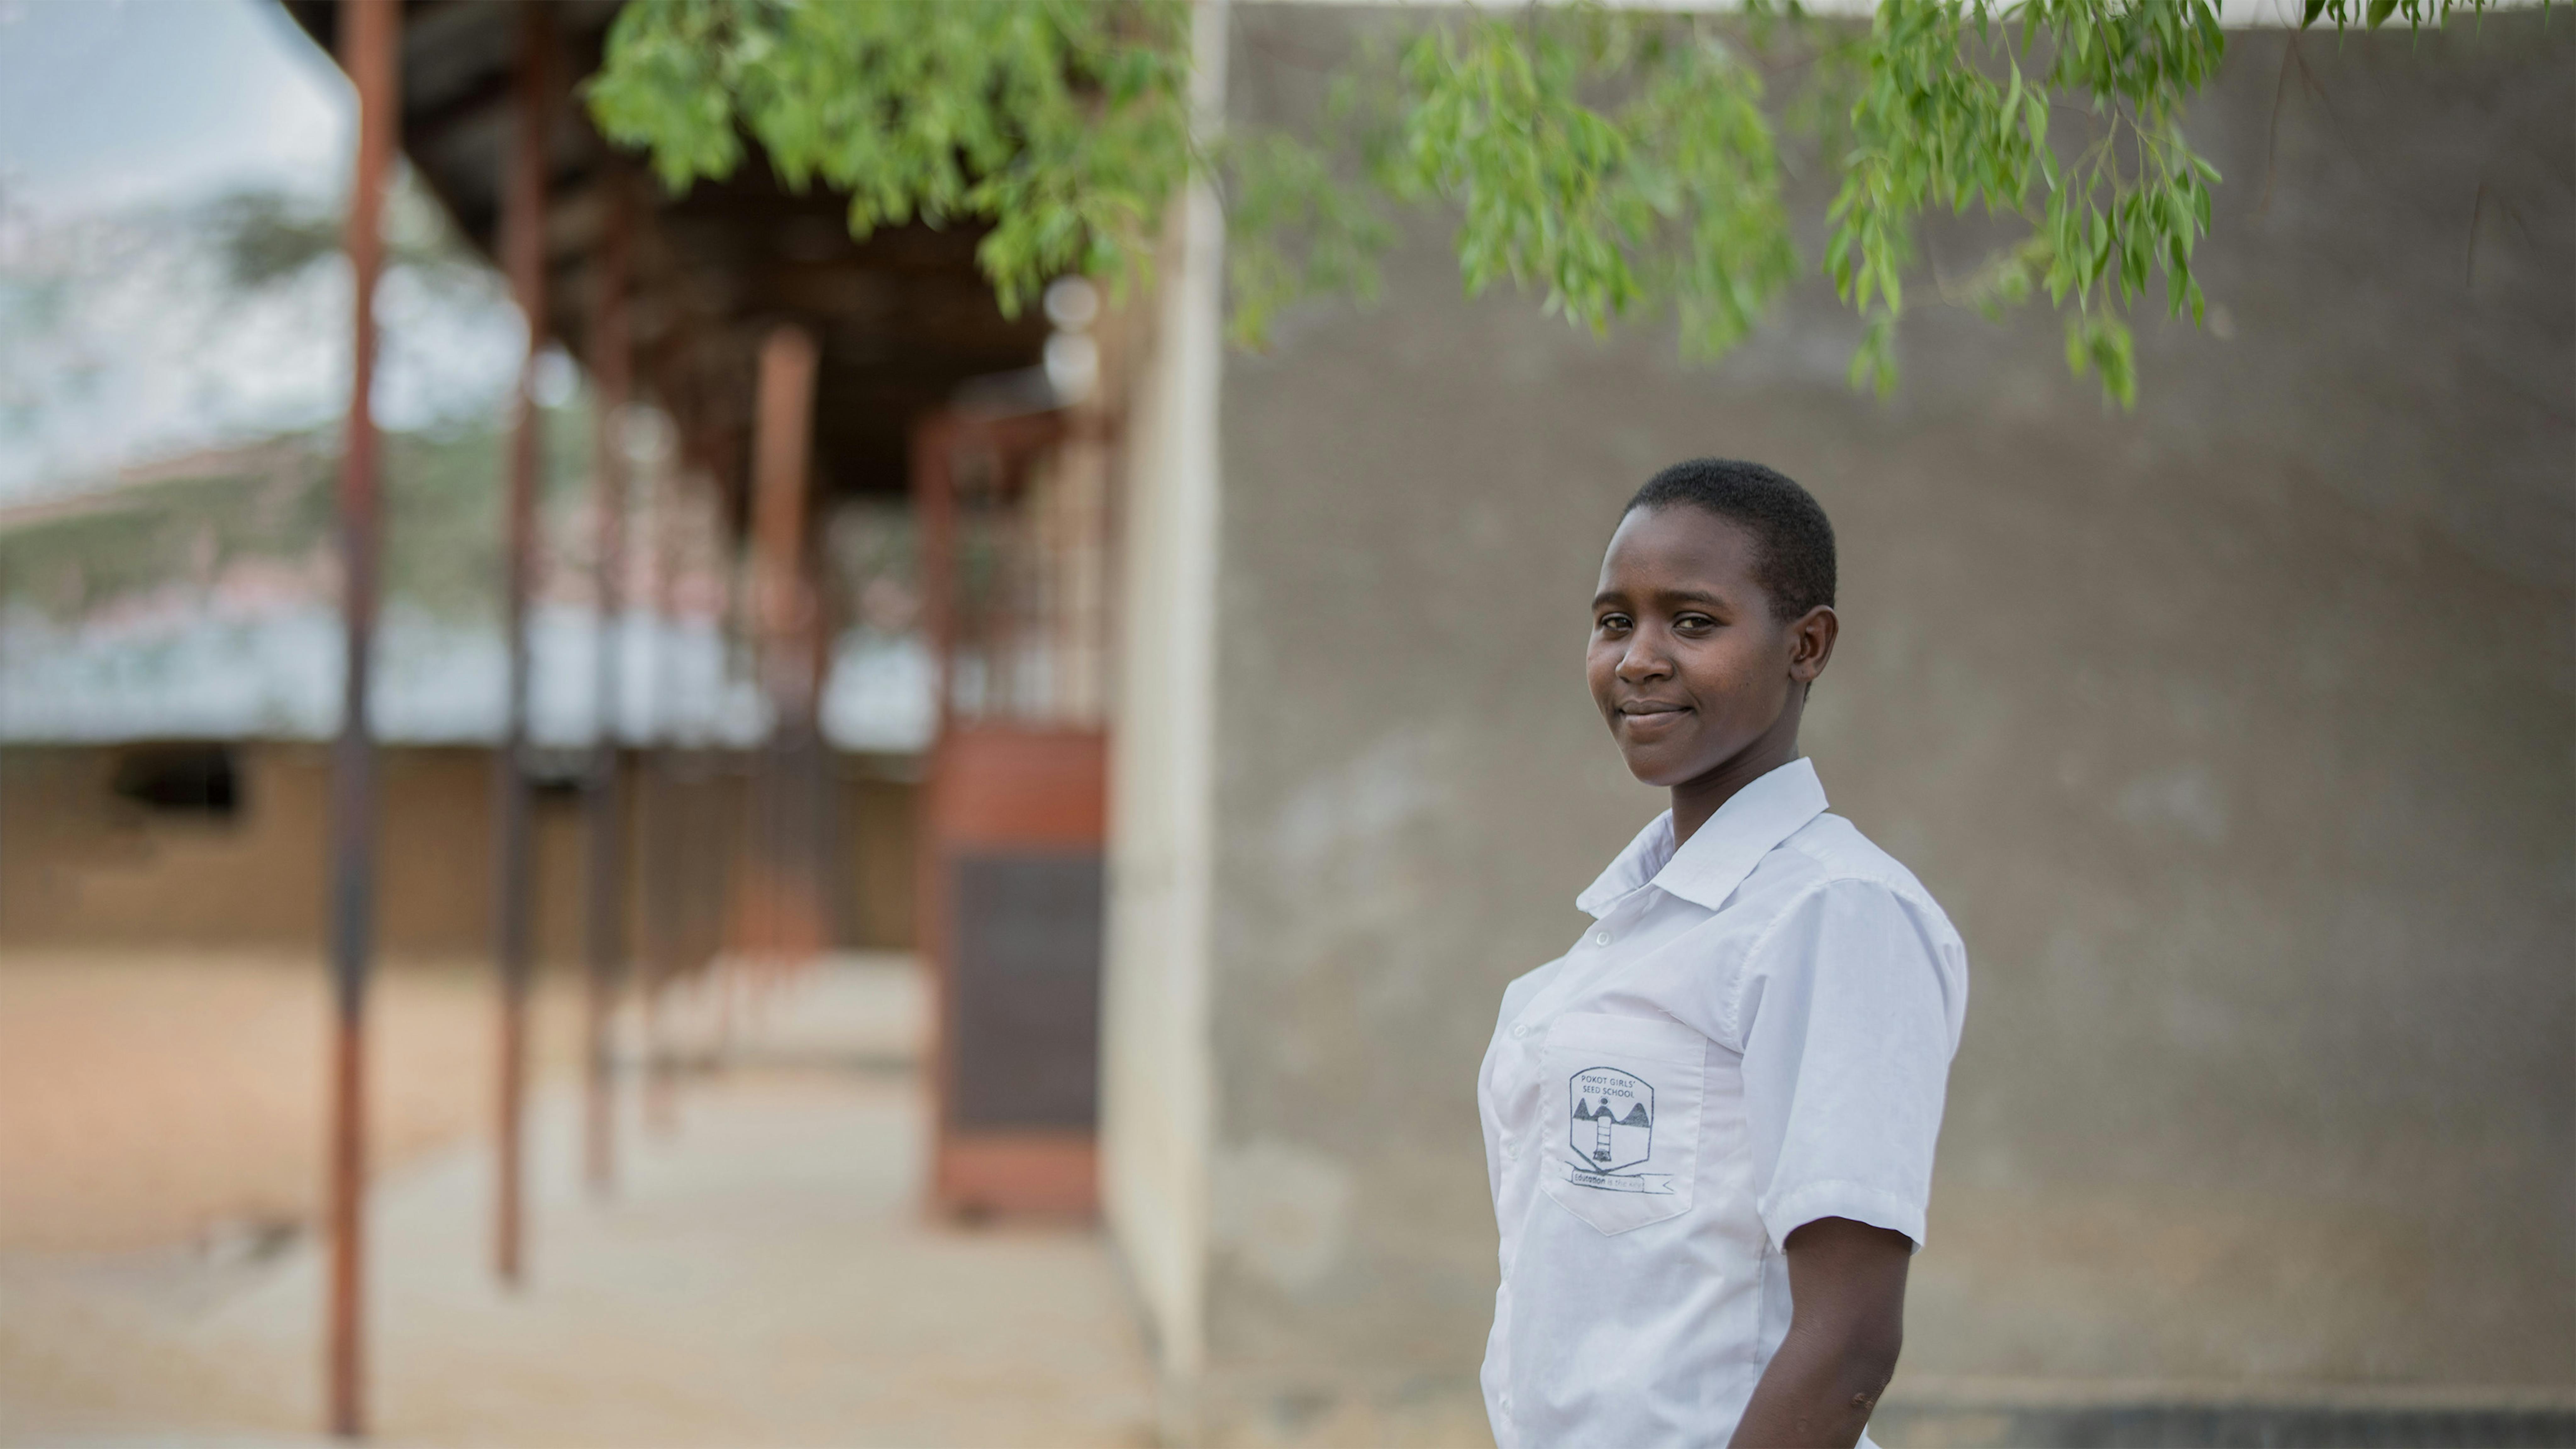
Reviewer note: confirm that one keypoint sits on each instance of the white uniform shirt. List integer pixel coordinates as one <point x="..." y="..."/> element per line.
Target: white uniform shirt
<point x="1754" y="1034"/>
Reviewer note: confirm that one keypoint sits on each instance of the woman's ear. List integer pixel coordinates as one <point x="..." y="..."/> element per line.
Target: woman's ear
<point x="1811" y="643"/>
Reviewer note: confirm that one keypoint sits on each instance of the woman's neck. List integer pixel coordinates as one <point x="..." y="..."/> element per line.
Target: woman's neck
<point x="1696" y="801"/>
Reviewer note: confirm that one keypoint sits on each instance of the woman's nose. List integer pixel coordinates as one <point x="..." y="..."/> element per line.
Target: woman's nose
<point x="1643" y="660"/>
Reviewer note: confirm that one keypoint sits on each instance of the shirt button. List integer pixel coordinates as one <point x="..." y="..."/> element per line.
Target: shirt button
<point x="1521" y="1030"/>
<point x="1602" y="939"/>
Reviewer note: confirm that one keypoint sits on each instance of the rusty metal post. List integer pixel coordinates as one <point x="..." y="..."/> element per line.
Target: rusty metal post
<point x="781" y="475"/>
<point x="736" y="926"/>
<point x="657" y="822"/>
<point x="612" y="373"/>
<point x="935" y="445"/>
<point x="934" y="504"/>
<point x="370" y="51"/>
<point x="783" y="908"/>
<point x="523" y="246"/>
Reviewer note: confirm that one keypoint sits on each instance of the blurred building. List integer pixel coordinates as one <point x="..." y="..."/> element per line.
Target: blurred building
<point x="170" y="675"/>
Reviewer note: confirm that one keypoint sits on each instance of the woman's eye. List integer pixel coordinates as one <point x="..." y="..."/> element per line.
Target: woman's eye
<point x="1695" y="623"/>
<point x="1612" y="622"/>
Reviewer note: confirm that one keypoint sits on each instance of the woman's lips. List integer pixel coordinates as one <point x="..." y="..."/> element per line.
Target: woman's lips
<point x="1652" y="716"/>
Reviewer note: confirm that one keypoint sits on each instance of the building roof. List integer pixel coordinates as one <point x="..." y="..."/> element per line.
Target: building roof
<point x="903" y="318"/>
<point x="171" y="670"/>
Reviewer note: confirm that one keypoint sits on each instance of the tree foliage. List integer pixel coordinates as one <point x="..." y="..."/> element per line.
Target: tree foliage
<point x="1063" y="124"/>
<point x="1618" y="162"/>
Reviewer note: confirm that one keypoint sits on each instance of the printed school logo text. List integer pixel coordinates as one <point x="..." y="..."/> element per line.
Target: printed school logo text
<point x="1611" y="1131"/>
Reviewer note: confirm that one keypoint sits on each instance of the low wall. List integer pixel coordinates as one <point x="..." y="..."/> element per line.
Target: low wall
<point x="81" y="864"/>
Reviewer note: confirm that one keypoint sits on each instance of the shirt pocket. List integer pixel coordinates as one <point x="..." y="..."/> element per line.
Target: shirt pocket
<point x="1624" y="1095"/>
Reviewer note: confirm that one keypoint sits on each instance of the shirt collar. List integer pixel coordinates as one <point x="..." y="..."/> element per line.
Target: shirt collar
<point x="1713" y="862"/>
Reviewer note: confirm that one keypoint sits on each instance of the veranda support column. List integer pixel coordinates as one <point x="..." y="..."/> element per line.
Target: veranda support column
<point x="659" y="861"/>
<point x="605" y="863"/>
<point x="523" y="210"/>
<point x="370" y="45"/>
<point x="781" y="908"/>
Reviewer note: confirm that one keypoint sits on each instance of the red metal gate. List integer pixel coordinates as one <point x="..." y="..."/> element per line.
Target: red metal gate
<point x="1014" y="824"/>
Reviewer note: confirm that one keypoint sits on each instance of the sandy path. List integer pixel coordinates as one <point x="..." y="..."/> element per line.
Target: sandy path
<point x="763" y="1277"/>
<point x="148" y="1100"/>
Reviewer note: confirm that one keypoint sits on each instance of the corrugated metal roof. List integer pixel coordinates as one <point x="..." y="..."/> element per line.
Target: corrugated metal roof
<point x="274" y="673"/>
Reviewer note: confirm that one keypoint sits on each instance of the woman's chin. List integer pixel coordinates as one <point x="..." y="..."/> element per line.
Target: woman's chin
<point x="1658" y="749"/>
<point x="1657" y="767"/>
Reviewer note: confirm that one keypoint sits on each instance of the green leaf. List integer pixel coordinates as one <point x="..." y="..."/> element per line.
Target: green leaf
<point x="1613" y="163"/>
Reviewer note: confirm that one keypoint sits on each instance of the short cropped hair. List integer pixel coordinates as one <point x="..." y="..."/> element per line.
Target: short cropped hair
<point x="1793" y="542"/>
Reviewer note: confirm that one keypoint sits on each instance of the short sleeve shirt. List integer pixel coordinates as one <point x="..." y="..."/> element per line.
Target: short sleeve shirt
<point x="1755" y="1033"/>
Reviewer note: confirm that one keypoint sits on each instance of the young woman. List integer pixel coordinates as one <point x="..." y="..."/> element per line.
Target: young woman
<point x="1709" y="1126"/>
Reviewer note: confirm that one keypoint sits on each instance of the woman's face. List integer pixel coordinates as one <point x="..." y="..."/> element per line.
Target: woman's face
<point x="1688" y="664"/>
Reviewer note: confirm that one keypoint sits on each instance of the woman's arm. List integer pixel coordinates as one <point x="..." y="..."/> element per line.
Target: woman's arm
<point x="1847" y="1288"/>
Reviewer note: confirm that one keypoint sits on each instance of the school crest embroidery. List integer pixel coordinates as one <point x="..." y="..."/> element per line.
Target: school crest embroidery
<point x="1612" y="1131"/>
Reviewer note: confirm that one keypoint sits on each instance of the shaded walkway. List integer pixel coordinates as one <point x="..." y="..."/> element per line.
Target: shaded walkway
<point x="764" y="1277"/>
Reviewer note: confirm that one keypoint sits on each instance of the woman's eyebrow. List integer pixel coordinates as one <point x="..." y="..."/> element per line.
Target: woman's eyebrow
<point x="1667" y="596"/>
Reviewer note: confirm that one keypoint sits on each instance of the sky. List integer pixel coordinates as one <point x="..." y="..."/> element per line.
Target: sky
<point x="117" y="346"/>
<point x="108" y="103"/>
<point x="118" y="341"/>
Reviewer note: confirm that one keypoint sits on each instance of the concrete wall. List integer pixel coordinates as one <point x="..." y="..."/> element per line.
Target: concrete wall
<point x="1161" y="371"/>
<point x="2234" y="732"/>
<point x="81" y="866"/>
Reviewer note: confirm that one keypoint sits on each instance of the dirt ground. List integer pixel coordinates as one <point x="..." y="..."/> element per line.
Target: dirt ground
<point x="762" y="1274"/>
<point x="153" y="1099"/>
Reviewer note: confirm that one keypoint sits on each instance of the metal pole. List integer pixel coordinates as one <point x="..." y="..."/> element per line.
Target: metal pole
<point x="370" y="40"/>
<point x="523" y="209"/>
<point x="662" y="902"/>
<point x="6" y="850"/>
<point x="783" y="617"/>
<point x="612" y="373"/>
<point x="734" y="927"/>
<point x="934" y="502"/>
